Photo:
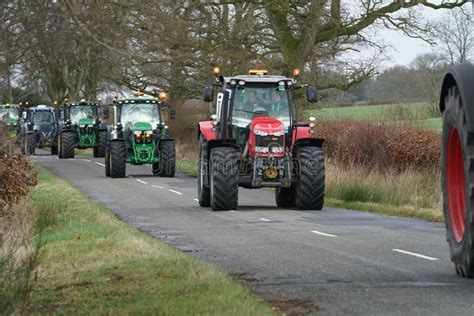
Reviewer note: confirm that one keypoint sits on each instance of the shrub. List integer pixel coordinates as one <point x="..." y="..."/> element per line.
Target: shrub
<point x="372" y="145"/>
<point x="16" y="176"/>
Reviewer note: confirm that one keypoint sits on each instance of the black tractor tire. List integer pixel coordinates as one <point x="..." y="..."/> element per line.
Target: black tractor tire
<point x="285" y="197"/>
<point x="67" y="144"/>
<point x="224" y="182"/>
<point x="101" y="143"/>
<point x="30" y="143"/>
<point x="457" y="177"/>
<point x="204" y="191"/>
<point x="107" y="161"/>
<point x="118" y="159"/>
<point x="54" y="149"/>
<point x="60" y="151"/>
<point x="166" y="167"/>
<point x="309" y="191"/>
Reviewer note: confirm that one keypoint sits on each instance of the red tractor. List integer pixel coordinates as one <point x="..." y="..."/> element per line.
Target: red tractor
<point x="254" y="141"/>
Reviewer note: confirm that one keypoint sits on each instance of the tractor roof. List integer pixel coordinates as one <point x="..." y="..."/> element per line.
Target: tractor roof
<point x="83" y="103"/>
<point x="13" y="106"/>
<point x="259" y="78"/>
<point x="139" y="99"/>
<point x="41" y="107"/>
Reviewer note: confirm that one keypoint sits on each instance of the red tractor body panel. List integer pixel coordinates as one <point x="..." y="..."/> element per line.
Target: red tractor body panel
<point x="206" y="128"/>
<point x="270" y="142"/>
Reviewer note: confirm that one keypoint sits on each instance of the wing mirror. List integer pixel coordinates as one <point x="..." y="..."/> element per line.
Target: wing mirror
<point x="208" y="94"/>
<point x="311" y="94"/>
<point x="23" y="115"/>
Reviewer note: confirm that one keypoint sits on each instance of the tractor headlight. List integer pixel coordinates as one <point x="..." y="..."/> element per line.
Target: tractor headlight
<point x="82" y="126"/>
<point x="277" y="149"/>
<point x="279" y="133"/>
<point x="260" y="133"/>
<point x="260" y="149"/>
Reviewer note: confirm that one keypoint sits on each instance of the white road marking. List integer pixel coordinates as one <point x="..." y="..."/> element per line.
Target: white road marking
<point x="141" y="181"/>
<point x="415" y="254"/>
<point x="265" y="219"/>
<point x="99" y="163"/>
<point x="323" y="234"/>
<point x="86" y="160"/>
<point x="157" y="186"/>
<point x="177" y="192"/>
<point x="196" y="200"/>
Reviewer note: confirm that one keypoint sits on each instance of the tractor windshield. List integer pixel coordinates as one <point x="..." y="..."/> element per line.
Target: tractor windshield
<point x="41" y="117"/>
<point x="8" y="113"/>
<point x="79" y="112"/>
<point x="139" y="112"/>
<point x="255" y="100"/>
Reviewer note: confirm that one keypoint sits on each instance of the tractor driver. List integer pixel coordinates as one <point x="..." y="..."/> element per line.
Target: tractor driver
<point x="276" y="105"/>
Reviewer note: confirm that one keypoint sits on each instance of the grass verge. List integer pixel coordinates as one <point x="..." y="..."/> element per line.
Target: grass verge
<point x="90" y="262"/>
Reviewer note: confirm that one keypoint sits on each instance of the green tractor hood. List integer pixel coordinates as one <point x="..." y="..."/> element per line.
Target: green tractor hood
<point x="10" y="121"/>
<point x="86" y="121"/>
<point x="142" y="126"/>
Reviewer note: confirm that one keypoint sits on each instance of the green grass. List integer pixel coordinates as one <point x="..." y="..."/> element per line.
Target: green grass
<point x="419" y="114"/>
<point x="92" y="263"/>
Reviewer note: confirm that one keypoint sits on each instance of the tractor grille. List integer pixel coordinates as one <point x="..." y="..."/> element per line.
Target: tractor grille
<point x="274" y="144"/>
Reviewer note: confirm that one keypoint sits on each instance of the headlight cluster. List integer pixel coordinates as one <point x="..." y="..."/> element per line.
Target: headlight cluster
<point x="263" y="133"/>
<point x="143" y="136"/>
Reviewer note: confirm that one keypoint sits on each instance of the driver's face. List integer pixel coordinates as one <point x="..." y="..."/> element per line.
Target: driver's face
<point x="253" y="97"/>
<point x="275" y="96"/>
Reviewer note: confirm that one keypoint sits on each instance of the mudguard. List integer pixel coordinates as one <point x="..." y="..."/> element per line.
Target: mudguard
<point x="462" y="76"/>
<point x="302" y="137"/>
<point x="206" y="130"/>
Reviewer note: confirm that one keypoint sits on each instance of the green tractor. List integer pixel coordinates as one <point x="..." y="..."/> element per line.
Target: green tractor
<point x="82" y="129"/>
<point x="10" y="118"/>
<point x="140" y="136"/>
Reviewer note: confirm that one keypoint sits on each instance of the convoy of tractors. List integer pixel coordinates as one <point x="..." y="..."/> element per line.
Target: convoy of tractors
<point x="253" y="140"/>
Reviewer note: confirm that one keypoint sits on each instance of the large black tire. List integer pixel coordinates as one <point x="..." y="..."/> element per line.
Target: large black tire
<point x="107" y="161"/>
<point x="67" y="144"/>
<point x="101" y="143"/>
<point x="204" y="190"/>
<point x="224" y="182"/>
<point x="285" y="197"/>
<point x="167" y="165"/>
<point x="60" y="151"/>
<point x="54" y="146"/>
<point x="309" y="191"/>
<point x="30" y="143"/>
<point x="118" y="159"/>
<point x="457" y="172"/>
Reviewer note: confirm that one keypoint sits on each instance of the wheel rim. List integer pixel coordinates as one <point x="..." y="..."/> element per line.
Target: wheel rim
<point x="456" y="184"/>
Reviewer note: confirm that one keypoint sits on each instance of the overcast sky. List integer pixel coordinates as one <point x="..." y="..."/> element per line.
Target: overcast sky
<point x="405" y="49"/>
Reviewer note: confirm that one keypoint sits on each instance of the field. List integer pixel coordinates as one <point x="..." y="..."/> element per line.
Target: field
<point x="419" y="115"/>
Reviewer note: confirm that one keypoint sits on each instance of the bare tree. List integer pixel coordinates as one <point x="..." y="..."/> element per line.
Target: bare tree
<point x="453" y="35"/>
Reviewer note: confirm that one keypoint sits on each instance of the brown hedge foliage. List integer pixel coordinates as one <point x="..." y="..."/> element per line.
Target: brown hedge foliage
<point x="16" y="176"/>
<point x="380" y="146"/>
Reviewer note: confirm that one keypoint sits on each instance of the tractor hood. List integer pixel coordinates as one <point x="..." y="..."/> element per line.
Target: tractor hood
<point x="10" y="121"/>
<point x="267" y="125"/>
<point x="142" y="126"/>
<point x="86" y="121"/>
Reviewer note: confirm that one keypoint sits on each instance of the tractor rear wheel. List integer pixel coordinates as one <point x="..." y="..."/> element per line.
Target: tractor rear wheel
<point x="118" y="159"/>
<point x="54" y="149"/>
<point x="100" y="144"/>
<point x="107" y="161"/>
<point x="285" y="197"/>
<point x="457" y="172"/>
<point x="224" y="182"/>
<point x="309" y="191"/>
<point x="67" y="144"/>
<point x="204" y="191"/>
<point x="166" y="166"/>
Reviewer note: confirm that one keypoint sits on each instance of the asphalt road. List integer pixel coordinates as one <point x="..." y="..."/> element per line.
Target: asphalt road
<point x="329" y="262"/>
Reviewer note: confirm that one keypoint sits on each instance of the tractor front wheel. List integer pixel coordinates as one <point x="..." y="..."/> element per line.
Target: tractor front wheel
<point x="107" y="161"/>
<point x="30" y="143"/>
<point x="67" y="144"/>
<point x="118" y="159"/>
<point x="457" y="165"/>
<point x="166" y="166"/>
<point x="309" y="191"/>
<point x="224" y="182"/>
<point x="204" y="191"/>
<point x="101" y="143"/>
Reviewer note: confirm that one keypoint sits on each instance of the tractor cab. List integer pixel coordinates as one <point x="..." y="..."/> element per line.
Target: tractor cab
<point x="255" y="120"/>
<point x="10" y="118"/>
